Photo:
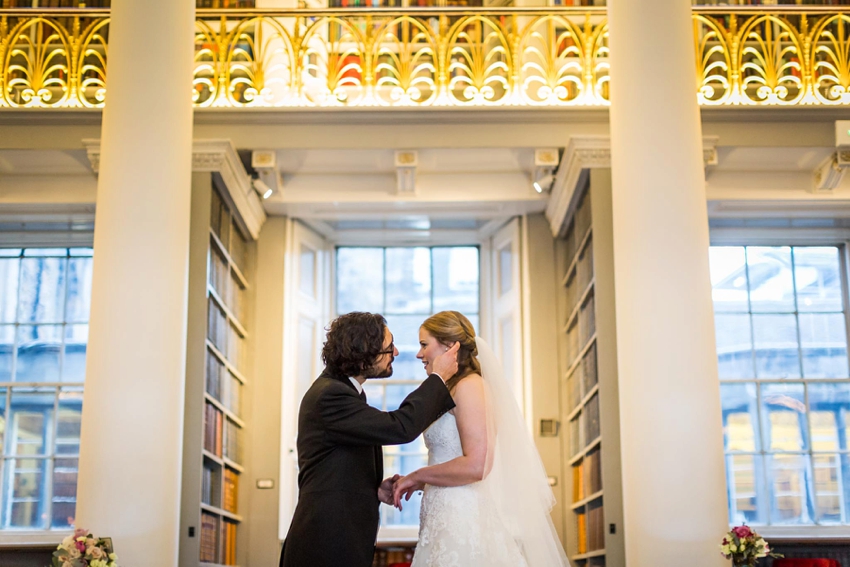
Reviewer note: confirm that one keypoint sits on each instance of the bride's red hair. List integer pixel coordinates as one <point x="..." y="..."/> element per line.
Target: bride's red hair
<point x="450" y="327"/>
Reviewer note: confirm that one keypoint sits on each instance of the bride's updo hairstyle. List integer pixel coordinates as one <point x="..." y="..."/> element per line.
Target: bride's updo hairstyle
<point x="450" y="327"/>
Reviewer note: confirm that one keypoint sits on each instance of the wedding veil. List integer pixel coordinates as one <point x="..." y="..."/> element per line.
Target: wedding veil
<point x="517" y="481"/>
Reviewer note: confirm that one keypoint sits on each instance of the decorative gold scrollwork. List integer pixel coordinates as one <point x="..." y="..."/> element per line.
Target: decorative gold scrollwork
<point x="552" y="57"/>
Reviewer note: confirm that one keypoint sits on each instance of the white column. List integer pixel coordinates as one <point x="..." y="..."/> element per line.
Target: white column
<point x="132" y="424"/>
<point x="674" y="495"/>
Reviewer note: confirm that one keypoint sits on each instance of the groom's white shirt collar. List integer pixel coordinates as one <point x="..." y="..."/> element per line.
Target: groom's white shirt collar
<point x="357" y="385"/>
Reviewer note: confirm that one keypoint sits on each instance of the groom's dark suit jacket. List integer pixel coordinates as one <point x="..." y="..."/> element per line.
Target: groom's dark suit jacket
<point x="341" y="466"/>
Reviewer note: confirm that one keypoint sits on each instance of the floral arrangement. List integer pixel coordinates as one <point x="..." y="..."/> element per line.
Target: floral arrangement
<point x="745" y="547"/>
<point x="82" y="549"/>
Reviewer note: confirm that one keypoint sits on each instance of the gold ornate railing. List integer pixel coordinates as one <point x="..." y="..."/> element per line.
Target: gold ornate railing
<point x="431" y="57"/>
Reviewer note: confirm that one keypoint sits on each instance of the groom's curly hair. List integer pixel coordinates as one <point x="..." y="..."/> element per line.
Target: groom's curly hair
<point x="353" y="343"/>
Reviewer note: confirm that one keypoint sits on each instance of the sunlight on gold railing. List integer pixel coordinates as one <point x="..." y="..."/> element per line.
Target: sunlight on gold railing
<point x="431" y="57"/>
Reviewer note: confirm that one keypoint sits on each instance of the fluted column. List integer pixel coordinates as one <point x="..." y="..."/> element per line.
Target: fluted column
<point x="132" y="425"/>
<point x="672" y="456"/>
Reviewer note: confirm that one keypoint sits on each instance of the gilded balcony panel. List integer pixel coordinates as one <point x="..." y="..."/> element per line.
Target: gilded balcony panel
<point x="549" y="57"/>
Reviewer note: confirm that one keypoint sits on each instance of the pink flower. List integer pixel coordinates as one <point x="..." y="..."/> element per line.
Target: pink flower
<point x="81" y="545"/>
<point x="742" y="531"/>
<point x="80" y="532"/>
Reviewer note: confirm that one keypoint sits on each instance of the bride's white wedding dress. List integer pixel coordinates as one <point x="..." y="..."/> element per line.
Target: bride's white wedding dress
<point x="459" y="525"/>
<point x="503" y="520"/>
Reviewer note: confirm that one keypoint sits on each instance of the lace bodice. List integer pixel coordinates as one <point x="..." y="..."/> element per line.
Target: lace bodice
<point x="458" y="526"/>
<point x="443" y="440"/>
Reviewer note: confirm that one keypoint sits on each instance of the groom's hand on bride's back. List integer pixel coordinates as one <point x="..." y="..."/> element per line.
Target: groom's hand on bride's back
<point x="445" y="365"/>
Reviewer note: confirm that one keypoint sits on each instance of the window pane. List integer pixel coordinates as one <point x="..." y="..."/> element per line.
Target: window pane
<point x="745" y="477"/>
<point x="7" y="348"/>
<point x="828" y="493"/>
<point x="816" y="270"/>
<point x="360" y="280"/>
<point x="728" y="278"/>
<point x="790" y="502"/>
<point x="409" y="516"/>
<point x="823" y="338"/>
<point x="30" y="422"/>
<point x="405" y="330"/>
<point x="64" y="493"/>
<point x="2" y="425"/>
<point x="408" y="274"/>
<point x="9" y="273"/>
<point x="784" y="417"/>
<point x="79" y="290"/>
<point x="740" y="417"/>
<point x="777" y="354"/>
<point x="38" y="353"/>
<point x="74" y="363"/>
<point x="24" y="485"/>
<point x="374" y="394"/>
<point x="456" y="279"/>
<point x="829" y="407"/>
<point x="734" y="346"/>
<point x="68" y="422"/>
<point x="770" y="279"/>
<point x="42" y="295"/>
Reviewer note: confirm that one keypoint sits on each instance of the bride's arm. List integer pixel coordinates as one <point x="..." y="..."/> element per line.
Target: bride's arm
<point x="471" y="416"/>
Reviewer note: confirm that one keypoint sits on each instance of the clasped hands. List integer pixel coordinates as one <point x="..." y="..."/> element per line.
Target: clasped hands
<point x="393" y="489"/>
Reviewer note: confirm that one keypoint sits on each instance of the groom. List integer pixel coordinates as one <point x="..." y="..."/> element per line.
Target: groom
<point x="339" y="444"/>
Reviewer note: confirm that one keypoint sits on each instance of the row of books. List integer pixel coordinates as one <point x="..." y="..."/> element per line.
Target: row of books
<point x="213" y="429"/>
<point x="229" y="537"/>
<point x="587" y="320"/>
<point x="222" y="222"/>
<point x="222" y="385"/>
<point x="211" y="485"/>
<point x="209" y="537"/>
<point x="231" y="490"/>
<point x="222" y="437"/>
<point x="591" y="529"/>
<point x="217" y="326"/>
<point x="587" y="476"/>
<point x="591" y="419"/>
<point x="233" y="442"/>
<point x="386" y="557"/>
<point x="218" y="540"/>
<point x="107" y="3"/>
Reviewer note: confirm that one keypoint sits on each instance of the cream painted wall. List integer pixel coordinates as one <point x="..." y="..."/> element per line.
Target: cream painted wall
<point x="543" y="328"/>
<point x="262" y="545"/>
<point x="48" y="189"/>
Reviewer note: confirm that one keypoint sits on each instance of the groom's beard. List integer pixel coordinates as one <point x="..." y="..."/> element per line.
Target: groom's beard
<point x="383" y="372"/>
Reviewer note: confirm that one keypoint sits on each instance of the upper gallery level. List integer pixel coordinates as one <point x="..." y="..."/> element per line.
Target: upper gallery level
<point x="386" y="54"/>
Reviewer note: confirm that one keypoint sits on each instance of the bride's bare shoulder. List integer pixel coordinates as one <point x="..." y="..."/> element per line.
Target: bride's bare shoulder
<point x="471" y="386"/>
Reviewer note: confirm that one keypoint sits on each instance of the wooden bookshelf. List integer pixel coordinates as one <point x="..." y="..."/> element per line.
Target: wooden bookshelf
<point x="589" y="403"/>
<point x="224" y="384"/>
<point x="214" y="507"/>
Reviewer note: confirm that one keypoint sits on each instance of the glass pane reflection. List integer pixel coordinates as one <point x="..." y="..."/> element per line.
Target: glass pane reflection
<point x="745" y="478"/>
<point x="790" y="502"/>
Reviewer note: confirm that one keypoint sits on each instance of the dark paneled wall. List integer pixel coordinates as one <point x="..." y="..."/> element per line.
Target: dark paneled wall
<point x="30" y="556"/>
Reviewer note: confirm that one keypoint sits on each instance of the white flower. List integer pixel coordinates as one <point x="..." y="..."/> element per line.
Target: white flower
<point x="113" y="557"/>
<point x="95" y="552"/>
<point x="68" y="542"/>
<point x="73" y="553"/>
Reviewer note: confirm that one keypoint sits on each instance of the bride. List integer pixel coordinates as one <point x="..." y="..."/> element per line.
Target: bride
<point x="487" y="497"/>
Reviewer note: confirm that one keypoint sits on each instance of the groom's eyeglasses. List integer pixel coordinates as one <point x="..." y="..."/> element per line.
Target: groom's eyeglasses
<point x="390" y="350"/>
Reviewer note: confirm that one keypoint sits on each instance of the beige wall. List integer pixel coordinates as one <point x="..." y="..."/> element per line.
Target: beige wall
<point x="261" y="547"/>
<point x="543" y="328"/>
